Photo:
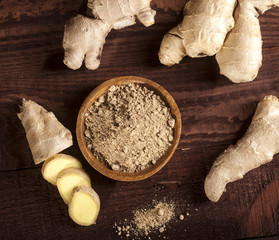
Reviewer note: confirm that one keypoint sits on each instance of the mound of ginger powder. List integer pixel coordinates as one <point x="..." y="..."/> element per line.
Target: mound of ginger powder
<point x="129" y="128"/>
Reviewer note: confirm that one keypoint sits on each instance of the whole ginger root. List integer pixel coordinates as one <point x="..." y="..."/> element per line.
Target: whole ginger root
<point x="240" y="58"/>
<point x="46" y="136"/>
<point x="208" y="28"/>
<point x="257" y="147"/>
<point x="84" y="37"/>
<point x="201" y="33"/>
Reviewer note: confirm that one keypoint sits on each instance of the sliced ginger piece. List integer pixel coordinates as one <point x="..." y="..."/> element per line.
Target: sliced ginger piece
<point x="70" y="178"/>
<point x="55" y="164"/>
<point x="84" y="206"/>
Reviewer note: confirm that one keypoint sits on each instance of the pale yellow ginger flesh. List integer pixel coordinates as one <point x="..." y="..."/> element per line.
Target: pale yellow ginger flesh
<point x="240" y="58"/>
<point x="70" y="178"/>
<point x="258" y="146"/>
<point x="201" y="33"/>
<point x="84" y="37"/>
<point x="46" y="136"/>
<point x="55" y="164"/>
<point x="84" y="206"/>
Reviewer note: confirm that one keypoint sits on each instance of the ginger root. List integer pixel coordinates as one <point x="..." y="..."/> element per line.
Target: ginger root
<point x="55" y="164"/>
<point x="70" y="178"/>
<point x="46" y="136"/>
<point x="240" y="58"/>
<point x="201" y="33"/>
<point x="74" y="186"/>
<point x="84" y="206"/>
<point x="258" y="146"/>
<point x="205" y="31"/>
<point x="85" y="36"/>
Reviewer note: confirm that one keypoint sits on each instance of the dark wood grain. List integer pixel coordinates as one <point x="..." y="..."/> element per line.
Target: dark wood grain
<point x="215" y="113"/>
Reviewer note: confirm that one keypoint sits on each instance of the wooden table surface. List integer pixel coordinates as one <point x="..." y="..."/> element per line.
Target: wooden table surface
<point x="215" y="113"/>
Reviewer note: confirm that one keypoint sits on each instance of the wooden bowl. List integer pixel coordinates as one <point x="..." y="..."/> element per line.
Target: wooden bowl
<point x="94" y="95"/>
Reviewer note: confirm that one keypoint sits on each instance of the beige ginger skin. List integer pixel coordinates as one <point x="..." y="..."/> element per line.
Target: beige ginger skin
<point x="46" y="136"/>
<point x="201" y="33"/>
<point x="208" y="29"/>
<point x="257" y="147"/>
<point x="84" y="37"/>
<point x="240" y="58"/>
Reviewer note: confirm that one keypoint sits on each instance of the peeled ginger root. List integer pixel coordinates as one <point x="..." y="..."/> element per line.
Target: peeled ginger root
<point x="46" y="136"/>
<point x="84" y="206"/>
<point x="70" y="178"/>
<point x="84" y="37"/>
<point x="258" y="146"/>
<point x="54" y="165"/>
<point x="201" y="33"/>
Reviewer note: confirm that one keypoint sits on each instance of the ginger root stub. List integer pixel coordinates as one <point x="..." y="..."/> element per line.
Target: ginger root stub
<point x="258" y="146"/>
<point x="46" y="136"/>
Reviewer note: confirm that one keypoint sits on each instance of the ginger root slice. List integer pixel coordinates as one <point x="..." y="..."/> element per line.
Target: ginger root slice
<point x="240" y="58"/>
<point x="84" y="37"/>
<point x="46" y="136"/>
<point x="258" y="146"/>
<point x="201" y="33"/>
<point x="55" y="164"/>
<point x="70" y="178"/>
<point x="84" y="206"/>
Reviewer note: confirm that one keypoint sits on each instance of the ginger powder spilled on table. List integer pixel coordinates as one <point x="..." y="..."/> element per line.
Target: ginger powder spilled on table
<point x="129" y="128"/>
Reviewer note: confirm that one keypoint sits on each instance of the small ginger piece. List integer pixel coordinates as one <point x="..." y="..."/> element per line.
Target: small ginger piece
<point x="240" y="58"/>
<point x="84" y="206"/>
<point x="46" y="136"/>
<point x="84" y="37"/>
<point x="55" y="164"/>
<point x="258" y="146"/>
<point x="201" y="33"/>
<point x="70" y="178"/>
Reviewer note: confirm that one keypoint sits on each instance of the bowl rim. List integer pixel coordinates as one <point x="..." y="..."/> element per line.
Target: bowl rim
<point x="103" y="88"/>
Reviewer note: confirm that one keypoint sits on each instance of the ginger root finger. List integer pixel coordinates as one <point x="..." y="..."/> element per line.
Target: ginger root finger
<point x="84" y="206"/>
<point x="258" y="146"/>
<point x="240" y="58"/>
<point x="201" y="33"/>
<point x="46" y="136"/>
<point x="70" y="178"/>
<point x="55" y="164"/>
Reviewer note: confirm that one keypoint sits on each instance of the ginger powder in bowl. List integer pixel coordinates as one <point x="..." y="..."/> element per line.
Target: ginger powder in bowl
<point x="128" y="128"/>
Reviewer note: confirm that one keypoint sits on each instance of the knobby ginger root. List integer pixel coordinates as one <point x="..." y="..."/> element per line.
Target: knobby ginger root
<point x="70" y="178"/>
<point x="240" y="58"/>
<point x="55" y="164"/>
<point x="85" y="37"/>
<point x="84" y="206"/>
<point x="201" y="33"/>
<point x="46" y="136"/>
<point x="258" y="146"/>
